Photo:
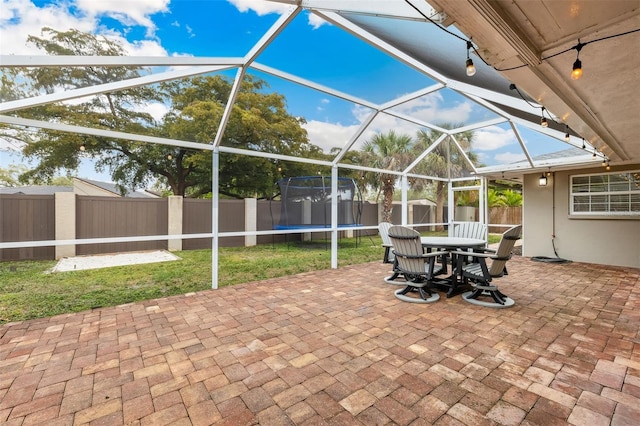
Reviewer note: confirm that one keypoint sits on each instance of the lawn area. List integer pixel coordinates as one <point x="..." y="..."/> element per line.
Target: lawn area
<point x="28" y="290"/>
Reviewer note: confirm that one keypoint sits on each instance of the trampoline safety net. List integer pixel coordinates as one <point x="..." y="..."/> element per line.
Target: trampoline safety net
<point x="306" y="202"/>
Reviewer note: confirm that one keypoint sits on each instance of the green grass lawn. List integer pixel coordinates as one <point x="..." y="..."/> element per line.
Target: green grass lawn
<point x="28" y="290"/>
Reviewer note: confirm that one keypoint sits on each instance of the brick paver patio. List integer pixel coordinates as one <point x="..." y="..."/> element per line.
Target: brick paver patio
<point x="336" y="347"/>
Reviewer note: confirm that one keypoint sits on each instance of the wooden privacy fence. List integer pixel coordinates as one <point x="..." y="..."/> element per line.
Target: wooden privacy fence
<point x="27" y="218"/>
<point x="103" y="217"/>
<point x="504" y="215"/>
<point x="66" y="216"/>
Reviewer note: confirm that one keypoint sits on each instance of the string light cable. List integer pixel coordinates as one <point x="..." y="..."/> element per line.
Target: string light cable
<point x="470" y="45"/>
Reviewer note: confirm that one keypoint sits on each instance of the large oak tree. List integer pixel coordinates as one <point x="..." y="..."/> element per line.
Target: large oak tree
<point x="259" y="121"/>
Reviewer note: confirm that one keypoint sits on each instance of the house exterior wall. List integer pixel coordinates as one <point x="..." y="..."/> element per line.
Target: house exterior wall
<point x="608" y="241"/>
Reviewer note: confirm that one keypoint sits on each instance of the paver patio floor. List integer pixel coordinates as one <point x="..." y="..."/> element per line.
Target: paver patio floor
<point x="336" y="347"/>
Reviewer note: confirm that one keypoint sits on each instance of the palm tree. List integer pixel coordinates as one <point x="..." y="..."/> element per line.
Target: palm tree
<point x="389" y="151"/>
<point x="444" y="161"/>
<point x="495" y="199"/>
<point x="512" y="198"/>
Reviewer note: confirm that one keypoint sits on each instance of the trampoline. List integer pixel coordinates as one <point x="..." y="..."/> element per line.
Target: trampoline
<point x="306" y="203"/>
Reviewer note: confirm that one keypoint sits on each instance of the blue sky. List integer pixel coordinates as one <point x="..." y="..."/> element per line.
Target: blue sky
<point x="307" y="48"/>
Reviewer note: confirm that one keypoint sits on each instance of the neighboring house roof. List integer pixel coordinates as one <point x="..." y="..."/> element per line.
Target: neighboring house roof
<point x="36" y="190"/>
<point x="104" y="188"/>
<point x="114" y="189"/>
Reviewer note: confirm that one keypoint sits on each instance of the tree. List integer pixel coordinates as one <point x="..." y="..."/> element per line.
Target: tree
<point x="494" y="198"/>
<point x="444" y="161"/>
<point x="9" y="175"/>
<point x="388" y="151"/>
<point x="512" y="198"/>
<point x="259" y="121"/>
<point x="120" y="110"/>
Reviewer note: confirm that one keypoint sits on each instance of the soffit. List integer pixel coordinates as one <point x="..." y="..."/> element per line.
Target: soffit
<point x="604" y="104"/>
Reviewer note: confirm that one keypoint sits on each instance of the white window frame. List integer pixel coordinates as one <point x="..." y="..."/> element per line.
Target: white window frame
<point x="599" y="190"/>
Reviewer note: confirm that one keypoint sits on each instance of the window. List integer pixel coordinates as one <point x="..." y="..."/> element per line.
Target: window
<point x="608" y="194"/>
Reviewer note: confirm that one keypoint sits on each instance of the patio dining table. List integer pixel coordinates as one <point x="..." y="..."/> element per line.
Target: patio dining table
<point x="451" y="243"/>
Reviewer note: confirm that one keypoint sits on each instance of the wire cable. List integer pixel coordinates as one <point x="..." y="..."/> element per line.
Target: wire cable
<point x="468" y="42"/>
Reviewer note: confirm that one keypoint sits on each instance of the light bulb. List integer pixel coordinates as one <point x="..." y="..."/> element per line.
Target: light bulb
<point x="577" y="70"/>
<point x="543" y="122"/>
<point x="542" y="181"/>
<point x="82" y="147"/>
<point x="471" y="69"/>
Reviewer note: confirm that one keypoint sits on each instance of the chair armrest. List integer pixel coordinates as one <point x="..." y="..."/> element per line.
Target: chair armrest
<point x="421" y="256"/>
<point x="473" y="253"/>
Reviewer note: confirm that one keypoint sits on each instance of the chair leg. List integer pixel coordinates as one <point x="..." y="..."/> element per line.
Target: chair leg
<point x="499" y="300"/>
<point x="423" y="293"/>
<point x="405" y="290"/>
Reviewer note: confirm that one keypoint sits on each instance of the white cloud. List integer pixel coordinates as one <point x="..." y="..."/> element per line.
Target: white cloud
<point x="432" y="109"/>
<point x="509" y="157"/>
<point x="19" y="19"/>
<point x="315" y="21"/>
<point x="130" y="13"/>
<point x="155" y="109"/>
<point x="260" y="7"/>
<point x="491" y="138"/>
<point x="329" y="135"/>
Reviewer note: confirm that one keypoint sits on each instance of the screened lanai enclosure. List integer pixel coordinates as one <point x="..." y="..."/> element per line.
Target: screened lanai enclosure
<point x="466" y="120"/>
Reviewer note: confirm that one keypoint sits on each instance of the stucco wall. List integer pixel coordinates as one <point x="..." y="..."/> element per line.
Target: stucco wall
<point x="614" y="241"/>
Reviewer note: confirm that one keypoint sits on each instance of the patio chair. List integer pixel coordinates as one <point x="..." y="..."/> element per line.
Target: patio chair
<point x="481" y="275"/>
<point x="417" y="267"/>
<point x="470" y="230"/>
<point x="395" y="278"/>
<point x="383" y="229"/>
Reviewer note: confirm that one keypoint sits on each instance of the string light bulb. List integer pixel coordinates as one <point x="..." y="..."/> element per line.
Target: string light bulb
<point x="471" y="69"/>
<point x="83" y="147"/>
<point x="576" y="72"/>
<point x="169" y="157"/>
<point x="543" y="120"/>
<point x="608" y="166"/>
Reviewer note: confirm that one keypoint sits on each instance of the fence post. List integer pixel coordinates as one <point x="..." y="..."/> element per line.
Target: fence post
<point x="250" y="221"/>
<point x="174" y="219"/>
<point x="65" y="222"/>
